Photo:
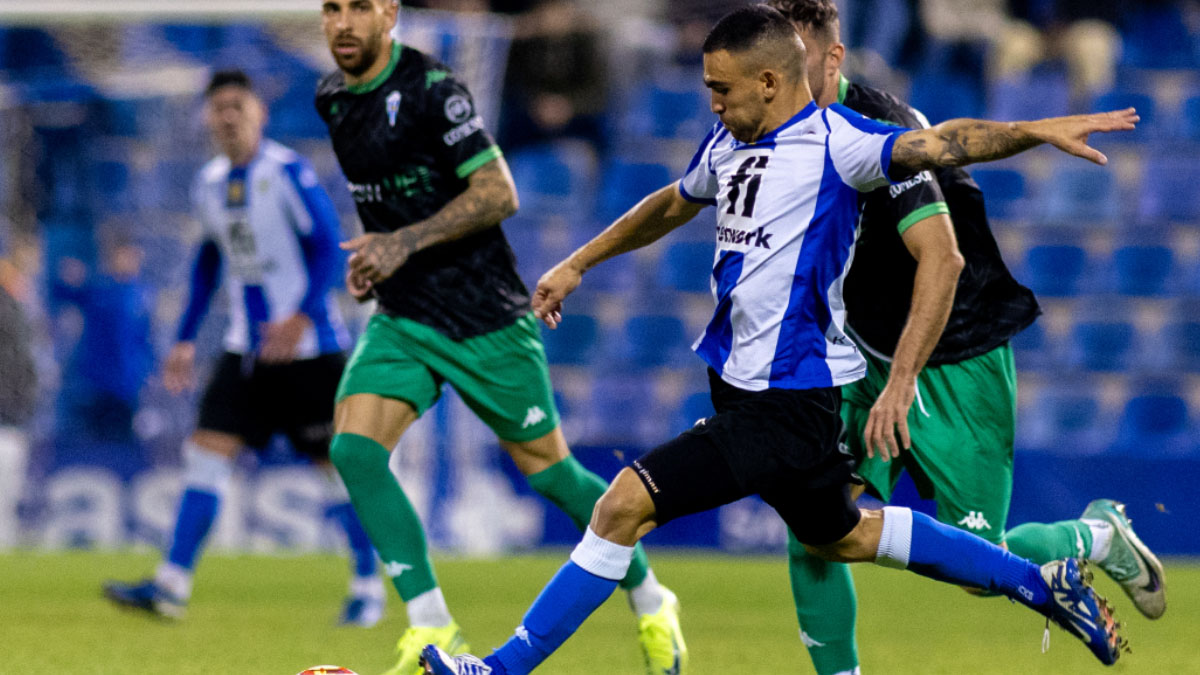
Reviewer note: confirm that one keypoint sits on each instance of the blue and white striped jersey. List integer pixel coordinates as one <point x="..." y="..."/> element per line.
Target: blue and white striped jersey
<point x="787" y="210"/>
<point x="271" y="235"/>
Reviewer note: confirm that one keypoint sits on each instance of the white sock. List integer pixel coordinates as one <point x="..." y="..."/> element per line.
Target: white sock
<point x="647" y="597"/>
<point x="429" y="610"/>
<point x="895" y="542"/>
<point x="174" y="579"/>
<point x="855" y="671"/>
<point x="1102" y="536"/>
<point x="605" y="559"/>
<point x="368" y="587"/>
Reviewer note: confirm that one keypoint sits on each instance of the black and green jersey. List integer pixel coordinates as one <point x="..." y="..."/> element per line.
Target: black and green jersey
<point x="990" y="307"/>
<point x="407" y="141"/>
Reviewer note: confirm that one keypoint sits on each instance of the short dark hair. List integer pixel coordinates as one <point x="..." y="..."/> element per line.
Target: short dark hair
<point x="818" y="16"/>
<point x="228" y="78"/>
<point x="747" y="27"/>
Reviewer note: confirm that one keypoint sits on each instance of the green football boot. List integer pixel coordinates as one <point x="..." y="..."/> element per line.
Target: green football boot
<point x="1129" y="562"/>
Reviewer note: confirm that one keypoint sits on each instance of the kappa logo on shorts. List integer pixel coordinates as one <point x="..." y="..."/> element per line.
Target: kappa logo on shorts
<point x="533" y="416"/>
<point x="974" y="520"/>
<point x="395" y="569"/>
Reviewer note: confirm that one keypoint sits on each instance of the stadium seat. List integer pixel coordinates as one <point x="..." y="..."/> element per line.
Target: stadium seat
<point x="548" y="181"/>
<point x="1191" y="119"/>
<point x="1143" y="270"/>
<point x="626" y="183"/>
<point x="947" y="95"/>
<point x="1003" y="190"/>
<point x="1042" y="93"/>
<point x="694" y="407"/>
<point x="653" y="340"/>
<point x="1055" y="270"/>
<point x="1182" y="344"/>
<point x="1080" y="194"/>
<point x="1155" y="423"/>
<point x="1064" y="418"/>
<point x="1169" y="191"/>
<point x="30" y="51"/>
<point x="677" y="113"/>
<point x="1104" y="346"/>
<point x="622" y="407"/>
<point x="573" y="343"/>
<point x="687" y="266"/>
<point x="1155" y="35"/>
<point x="1033" y="349"/>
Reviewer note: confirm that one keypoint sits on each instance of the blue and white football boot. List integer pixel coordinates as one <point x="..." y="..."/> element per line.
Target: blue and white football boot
<point x="361" y="611"/>
<point x="146" y="596"/>
<point x="1077" y="609"/>
<point x="437" y="662"/>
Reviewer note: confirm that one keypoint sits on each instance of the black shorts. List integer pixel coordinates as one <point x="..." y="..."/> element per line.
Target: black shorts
<point x="780" y="444"/>
<point x="255" y="403"/>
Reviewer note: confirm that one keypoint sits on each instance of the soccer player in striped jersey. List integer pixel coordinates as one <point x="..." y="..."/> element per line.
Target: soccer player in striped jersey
<point x="784" y="176"/>
<point x="270" y="236"/>
<point x="941" y="338"/>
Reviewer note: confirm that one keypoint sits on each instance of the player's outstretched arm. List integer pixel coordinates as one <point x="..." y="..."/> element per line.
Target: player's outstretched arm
<point x="490" y="197"/>
<point x="964" y="141"/>
<point x="647" y="222"/>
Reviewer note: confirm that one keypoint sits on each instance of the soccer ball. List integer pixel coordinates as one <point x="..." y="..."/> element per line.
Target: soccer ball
<point x="327" y="670"/>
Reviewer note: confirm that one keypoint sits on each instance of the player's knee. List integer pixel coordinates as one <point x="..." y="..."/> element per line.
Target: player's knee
<point x="859" y="545"/>
<point x="624" y="506"/>
<point x="351" y="456"/>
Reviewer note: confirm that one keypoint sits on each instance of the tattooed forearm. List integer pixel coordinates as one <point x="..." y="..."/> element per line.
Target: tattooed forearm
<point x="490" y="198"/>
<point x="958" y="143"/>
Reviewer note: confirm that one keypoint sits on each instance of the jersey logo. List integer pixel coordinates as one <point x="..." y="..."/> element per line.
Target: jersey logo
<point x="533" y="416"/>
<point x="458" y="109"/>
<point x="393" y="107"/>
<point x="395" y="569"/>
<point x="731" y="235"/>
<point x="899" y="188"/>
<point x="752" y="181"/>
<point x="974" y="520"/>
<point x="235" y="193"/>
<point x="808" y="641"/>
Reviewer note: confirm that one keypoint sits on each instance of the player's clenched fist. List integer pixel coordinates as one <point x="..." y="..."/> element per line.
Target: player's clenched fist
<point x="552" y="289"/>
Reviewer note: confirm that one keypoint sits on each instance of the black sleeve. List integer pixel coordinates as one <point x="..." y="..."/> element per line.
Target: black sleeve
<point x="456" y="129"/>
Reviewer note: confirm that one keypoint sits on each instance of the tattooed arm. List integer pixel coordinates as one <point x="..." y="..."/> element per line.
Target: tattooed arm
<point x="963" y="141"/>
<point x="490" y="197"/>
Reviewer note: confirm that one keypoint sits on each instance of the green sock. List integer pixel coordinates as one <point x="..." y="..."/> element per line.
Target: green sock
<point x="575" y="490"/>
<point x="1043" y="542"/>
<point x="826" y="607"/>
<point x="385" y="512"/>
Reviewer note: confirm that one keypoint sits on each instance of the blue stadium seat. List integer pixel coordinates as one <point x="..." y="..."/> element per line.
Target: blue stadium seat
<point x="687" y="266"/>
<point x="1169" y="190"/>
<point x="694" y="407"/>
<point x="29" y="50"/>
<point x="626" y="183"/>
<point x="1055" y="270"/>
<point x="677" y="113"/>
<point x="1155" y="35"/>
<point x="947" y="95"/>
<point x="1064" y="418"/>
<point x="1104" y="346"/>
<point x="1182" y="343"/>
<point x="573" y="343"/>
<point x="1191" y="119"/>
<point x="1080" y="194"/>
<point x="653" y="340"/>
<point x="1143" y="270"/>
<point x="547" y="181"/>
<point x="620" y="406"/>
<point x="1044" y="92"/>
<point x="1033" y="349"/>
<point x="1154" y="423"/>
<point x="1003" y="190"/>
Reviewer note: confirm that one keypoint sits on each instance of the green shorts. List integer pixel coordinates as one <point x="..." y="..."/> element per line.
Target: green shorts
<point x="502" y="376"/>
<point x="962" y="427"/>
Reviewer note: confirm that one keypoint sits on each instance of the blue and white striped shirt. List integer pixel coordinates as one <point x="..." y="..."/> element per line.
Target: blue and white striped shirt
<point x="271" y="233"/>
<point x="787" y="209"/>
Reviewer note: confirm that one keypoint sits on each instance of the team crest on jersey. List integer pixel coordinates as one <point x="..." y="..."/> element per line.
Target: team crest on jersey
<point x="235" y="193"/>
<point x="393" y="107"/>
<point x="458" y="109"/>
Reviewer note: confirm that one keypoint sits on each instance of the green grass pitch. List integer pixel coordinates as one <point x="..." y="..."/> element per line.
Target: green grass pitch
<point x="271" y="616"/>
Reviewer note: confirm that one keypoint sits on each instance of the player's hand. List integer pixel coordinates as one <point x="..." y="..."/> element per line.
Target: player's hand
<point x="375" y="257"/>
<point x="178" y="373"/>
<point x="358" y="287"/>
<point x="1070" y="134"/>
<point x="281" y="338"/>
<point x="552" y="289"/>
<point x="887" y="425"/>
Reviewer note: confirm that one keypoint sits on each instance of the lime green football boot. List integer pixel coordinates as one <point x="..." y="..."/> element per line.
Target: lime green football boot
<point x="662" y="640"/>
<point x="408" y="649"/>
<point x="1129" y="562"/>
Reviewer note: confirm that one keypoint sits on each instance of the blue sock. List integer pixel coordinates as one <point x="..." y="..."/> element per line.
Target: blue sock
<point x="570" y="598"/>
<point x="360" y="543"/>
<point x="946" y="553"/>
<point x="197" y="511"/>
